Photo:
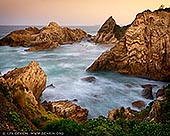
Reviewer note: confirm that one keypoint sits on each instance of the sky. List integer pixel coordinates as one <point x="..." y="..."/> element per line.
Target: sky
<point x="73" y="12"/>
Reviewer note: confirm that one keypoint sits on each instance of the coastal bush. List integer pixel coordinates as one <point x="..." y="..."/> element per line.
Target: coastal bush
<point x="102" y="126"/>
<point x="66" y="126"/>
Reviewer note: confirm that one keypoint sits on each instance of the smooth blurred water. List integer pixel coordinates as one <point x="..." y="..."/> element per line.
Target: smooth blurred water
<point x="66" y="66"/>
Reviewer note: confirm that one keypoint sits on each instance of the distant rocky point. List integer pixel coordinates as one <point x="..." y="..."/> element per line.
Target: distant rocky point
<point x="144" y="50"/>
<point x="47" y="38"/>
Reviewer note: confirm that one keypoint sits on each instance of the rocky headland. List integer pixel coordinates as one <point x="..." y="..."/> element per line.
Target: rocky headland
<point x="47" y="38"/>
<point x="143" y="50"/>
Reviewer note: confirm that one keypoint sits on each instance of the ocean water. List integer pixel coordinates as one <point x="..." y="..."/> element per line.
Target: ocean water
<point x="66" y="66"/>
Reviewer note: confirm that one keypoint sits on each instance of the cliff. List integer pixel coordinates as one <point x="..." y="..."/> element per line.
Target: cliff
<point x="47" y="38"/>
<point x="143" y="51"/>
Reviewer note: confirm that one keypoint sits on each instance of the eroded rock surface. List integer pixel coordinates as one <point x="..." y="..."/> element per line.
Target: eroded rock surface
<point x="106" y="34"/>
<point x="143" y="51"/>
<point x="31" y="79"/>
<point x="47" y="38"/>
<point x="67" y="109"/>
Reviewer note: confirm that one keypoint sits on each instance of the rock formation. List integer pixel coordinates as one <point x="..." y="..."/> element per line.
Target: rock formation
<point x="106" y="35"/>
<point x="143" y="51"/>
<point x="109" y="33"/>
<point x="47" y="38"/>
<point x="67" y="109"/>
<point x="30" y="79"/>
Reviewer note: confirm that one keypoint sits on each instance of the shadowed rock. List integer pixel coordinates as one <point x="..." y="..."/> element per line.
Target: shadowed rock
<point x="147" y="92"/>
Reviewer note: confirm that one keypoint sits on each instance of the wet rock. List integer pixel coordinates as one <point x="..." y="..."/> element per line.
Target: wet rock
<point x="50" y="86"/>
<point x="90" y="79"/>
<point x="147" y="92"/>
<point x="67" y="109"/>
<point x="148" y="85"/>
<point x="143" y="51"/>
<point x="139" y="104"/>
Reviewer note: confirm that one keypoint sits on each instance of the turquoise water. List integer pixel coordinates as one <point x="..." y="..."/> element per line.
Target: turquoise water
<point x="66" y="65"/>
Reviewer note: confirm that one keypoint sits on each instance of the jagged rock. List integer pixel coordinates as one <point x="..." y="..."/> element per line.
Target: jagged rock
<point x="90" y="79"/>
<point x="31" y="78"/>
<point x="147" y="92"/>
<point x="139" y="104"/>
<point x="143" y="51"/>
<point x="121" y="113"/>
<point x="67" y="109"/>
<point x="109" y="33"/>
<point x="106" y="34"/>
<point x="47" y="38"/>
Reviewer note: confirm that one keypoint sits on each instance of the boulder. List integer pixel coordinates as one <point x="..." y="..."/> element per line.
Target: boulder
<point x="143" y="51"/>
<point x="139" y="104"/>
<point x="47" y="38"/>
<point x="31" y="79"/>
<point x="67" y="109"/>
<point x="90" y="79"/>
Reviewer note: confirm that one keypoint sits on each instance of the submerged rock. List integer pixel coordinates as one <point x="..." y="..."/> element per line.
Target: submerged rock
<point x="67" y="109"/>
<point x="143" y="51"/>
<point x="90" y="79"/>
<point x="47" y="38"/>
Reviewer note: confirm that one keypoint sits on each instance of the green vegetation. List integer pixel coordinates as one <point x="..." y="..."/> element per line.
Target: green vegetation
<point x="10" y="116"/>
<point x="104" y="127"/>
<point x="68" y="127"/>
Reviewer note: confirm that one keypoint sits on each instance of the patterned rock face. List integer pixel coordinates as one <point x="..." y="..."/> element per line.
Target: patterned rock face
<point x="106" y="34"/>
<point x="67" y="109"/>
<point x="31" y="78"/>
<point x="48" y="37"/>
<point x="143" y="51"/>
